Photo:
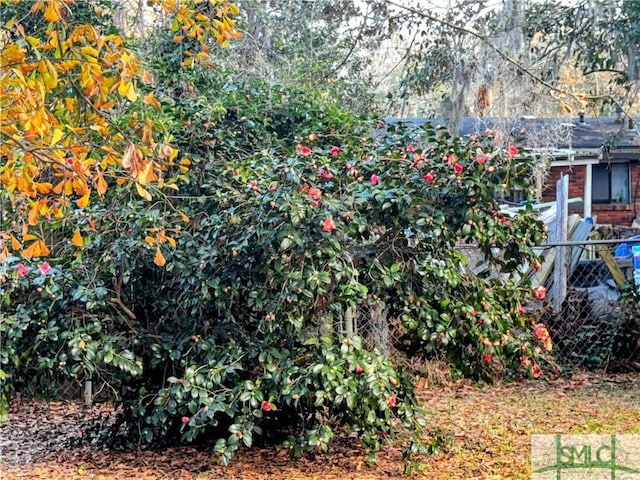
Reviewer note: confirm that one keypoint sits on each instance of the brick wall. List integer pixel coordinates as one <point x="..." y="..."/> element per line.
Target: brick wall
<point x="614" y="214"/>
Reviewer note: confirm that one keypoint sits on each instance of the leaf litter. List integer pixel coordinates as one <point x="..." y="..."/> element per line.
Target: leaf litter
<point x="476" y="432"/>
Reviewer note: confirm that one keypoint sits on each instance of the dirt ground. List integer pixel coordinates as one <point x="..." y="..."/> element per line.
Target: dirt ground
<point x="475" y="432"/>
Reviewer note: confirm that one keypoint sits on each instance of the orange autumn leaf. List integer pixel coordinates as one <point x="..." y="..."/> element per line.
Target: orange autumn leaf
<point x="77" y="239"/>
<point x="159" y="259"/>
<point x="36" y="249"/>
<point x="4" y="254"/>
<point x="15" y="244"/>
<point x="150" y="99"/>
<point x="32" y="218"/>
<point x="147" y="175"/>
<point x="101" y="184"/>
<point x="48" y="166"/>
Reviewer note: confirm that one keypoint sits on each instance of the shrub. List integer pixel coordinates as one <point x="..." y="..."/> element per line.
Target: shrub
<point x="292" y="213"/>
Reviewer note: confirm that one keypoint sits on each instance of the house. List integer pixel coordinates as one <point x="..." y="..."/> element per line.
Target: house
<point x="603" y="164"/>
<point x="600" y="155"/>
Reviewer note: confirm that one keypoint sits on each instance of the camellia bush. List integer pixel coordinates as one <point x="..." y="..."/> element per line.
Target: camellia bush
<point x="224" y="307"/>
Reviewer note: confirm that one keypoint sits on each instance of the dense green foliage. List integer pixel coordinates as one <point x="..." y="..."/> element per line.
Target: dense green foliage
<point x="292" y="216"/>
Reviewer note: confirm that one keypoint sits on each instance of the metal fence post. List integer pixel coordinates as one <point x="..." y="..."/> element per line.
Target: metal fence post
<point x="560" y="265"/>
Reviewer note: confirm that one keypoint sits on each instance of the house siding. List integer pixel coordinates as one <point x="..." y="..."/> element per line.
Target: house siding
<point x="605" y="213"/>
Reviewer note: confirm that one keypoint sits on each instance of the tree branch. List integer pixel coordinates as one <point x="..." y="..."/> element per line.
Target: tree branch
<point x="483" y="39"/>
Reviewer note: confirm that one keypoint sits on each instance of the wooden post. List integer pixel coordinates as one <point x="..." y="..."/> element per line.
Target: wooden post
<point x="88" y="393"/>
<point x="560" y="263"/>
<point x="349" y="317"/>
<point x="610" y="262"/>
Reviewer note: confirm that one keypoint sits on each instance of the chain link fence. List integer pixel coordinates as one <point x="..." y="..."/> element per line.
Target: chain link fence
<point x="592" y="326"/>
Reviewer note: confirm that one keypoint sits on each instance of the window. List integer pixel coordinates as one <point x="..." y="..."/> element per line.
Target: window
<point x="610" y="183"/>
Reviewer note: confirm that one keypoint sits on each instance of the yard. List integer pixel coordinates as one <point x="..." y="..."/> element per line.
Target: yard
<point x="475" y="432"/>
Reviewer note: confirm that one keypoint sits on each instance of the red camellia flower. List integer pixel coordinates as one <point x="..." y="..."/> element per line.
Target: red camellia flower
<point x="22" y="270"/>
<point x="393" y="400"/>
<point x="522" y="310"/>
<point x="358" y="369"/>
<point x="185" y="419"/>
<point x="411" y="148"/>
<point x="458" y="168"/>
<point x="326" y="174"/>
<point x="429" y="177"/>
<point x="328" y="225"/>
<point x="266" y="406"/>
<point x="540" y="292"/>
<point x="536" y="371"/>
<point x="334" y="151"/>
<point x="304" y="150"/>
<point x="315" y="194"/>
<point x="181" y="381"/>
<point x="512" y="151"/>
<point x="487" y="358"/>
<point x="481" y="159"/>
<point x="375" y="179"/>
<point x="44" y="268"/>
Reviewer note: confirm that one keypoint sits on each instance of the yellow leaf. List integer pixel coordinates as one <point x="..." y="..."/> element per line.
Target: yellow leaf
<point x="27" y="237"/>
<point x="126" y="89"/>
<point x="131" y="94"/>
<point x="83" y="201"/>
<point x="57" y="135"/>
<point x="185" y="218"/>
<point x="149" y="240"/>
<point x="77" y="239"/>
<point x="159" y="259"/>
<point x="171" y="241"/>
<point x="53" y="74"/>
<point x="143" y="192"/>
<point x="35" y="42"/>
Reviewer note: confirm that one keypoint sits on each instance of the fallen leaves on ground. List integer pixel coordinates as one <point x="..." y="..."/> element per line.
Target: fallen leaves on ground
<point x="477" y="432"/>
